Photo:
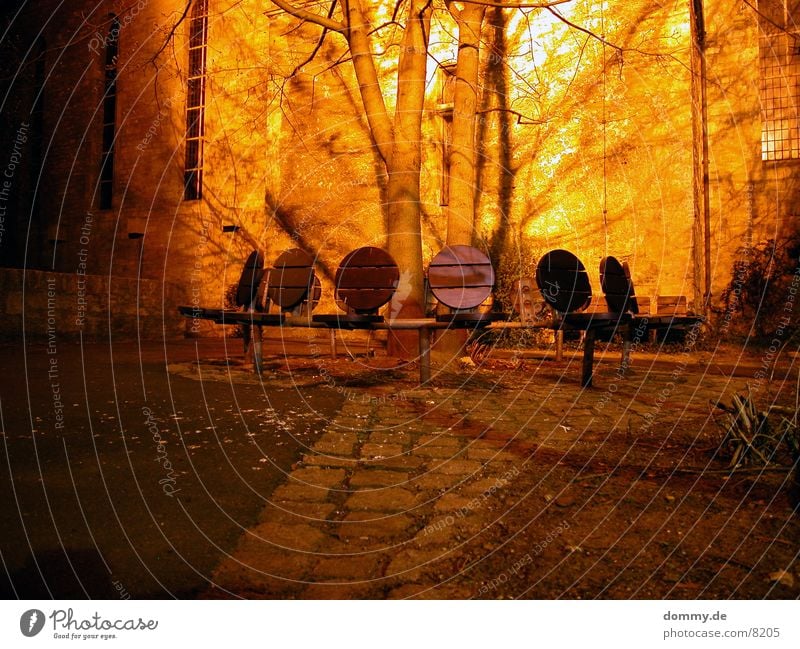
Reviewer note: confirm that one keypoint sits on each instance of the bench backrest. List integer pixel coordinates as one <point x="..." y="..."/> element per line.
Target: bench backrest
<point x="563" y="281"/>
<point x="461" y="277"/>
<point x="250" y="280"/>
<point x="292" y="280"/>
<point x="366" y="279"/>
<point x="674" y="305"/>
<point x="615" y="278"/>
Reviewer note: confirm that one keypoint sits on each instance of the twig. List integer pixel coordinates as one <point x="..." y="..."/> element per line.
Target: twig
<point x="172" y="31"/>
<point x="320" y="41"/>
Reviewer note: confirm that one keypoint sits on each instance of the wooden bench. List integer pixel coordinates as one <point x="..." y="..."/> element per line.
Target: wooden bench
<point x="292" y="286"/>
<point x="461" y="278"/>
<point x="672" y="314"/>
<point x="672" y="311"/>
<point x="564" y="284"/>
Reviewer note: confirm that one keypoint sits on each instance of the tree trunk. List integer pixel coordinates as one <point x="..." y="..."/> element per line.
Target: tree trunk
<point x="461" y="208"/>
<point x="364" y="65"/>
<point x="404" y="237"/>
<point x="461" y="204"/>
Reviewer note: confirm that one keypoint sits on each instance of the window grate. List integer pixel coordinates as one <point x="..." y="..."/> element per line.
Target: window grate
<point x="195" y="102"/>
<point x="109" y="116"/>
<point x="779" y="60"/>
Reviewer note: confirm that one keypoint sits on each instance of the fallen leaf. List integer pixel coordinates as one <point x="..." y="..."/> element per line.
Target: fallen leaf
<point x="782" y="577"/>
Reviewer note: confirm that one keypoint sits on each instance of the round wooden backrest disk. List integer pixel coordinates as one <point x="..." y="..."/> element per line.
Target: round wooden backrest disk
<point x="563" y="281"/>
<point x="461" y="277"/>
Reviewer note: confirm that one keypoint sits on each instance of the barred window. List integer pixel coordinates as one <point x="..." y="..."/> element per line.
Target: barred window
<point x="447" y="83"/>
<point x="196" y="101"/>
<point x="779" y="56"/>
<point x="109" y="115"/>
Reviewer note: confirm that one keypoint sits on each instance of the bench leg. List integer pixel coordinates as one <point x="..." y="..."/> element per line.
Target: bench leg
<point x="257" y="350"/>
<point x="625" y="361"/>
<point x="588" y="359"/>
<point x="333" y="343"/>
<point x="627" y="344"/>
<point x="246" y="340"/>
<point x="424" y="355"/>
<point x="559" y="344"/>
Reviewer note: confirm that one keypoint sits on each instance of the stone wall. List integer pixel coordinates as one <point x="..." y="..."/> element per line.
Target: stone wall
<point x="42" y="304"/>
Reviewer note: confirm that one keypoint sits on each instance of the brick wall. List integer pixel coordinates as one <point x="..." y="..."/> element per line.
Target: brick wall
<point x="41" y="303"/>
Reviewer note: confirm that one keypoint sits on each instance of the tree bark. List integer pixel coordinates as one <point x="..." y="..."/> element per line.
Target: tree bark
<point x="463" y="155"/>
<point x="364" y="65"/>
<point x="461" y="208"/>
<point x="398" y="143"/>
<point x="404" y="237"/>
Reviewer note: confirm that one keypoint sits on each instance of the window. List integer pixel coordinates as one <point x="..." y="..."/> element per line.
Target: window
<point x="195" y="101"/>
<point x="109" y="115"/>
<point x="447" y="82"/>
<point x="779" y="56"/>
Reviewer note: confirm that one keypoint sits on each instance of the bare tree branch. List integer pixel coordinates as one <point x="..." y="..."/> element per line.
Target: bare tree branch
<point x="172" y="31"/>
<point x="454" y="11"/>
<point x="516" y="5"/>
<point x="317" y="47"/>
<point x="583" y="29"/>
<point x="521" y="118"/>
<point x="782" y="28"/>
<point x="310" y="16"/>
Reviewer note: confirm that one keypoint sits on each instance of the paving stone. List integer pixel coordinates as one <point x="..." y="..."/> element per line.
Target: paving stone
<point x="400" y="462"/>
<point x="378" y="478"/>
<point x="300" y="493"/>
<point x="453" y="502"/>
<point x="361" y="567"/>
<point x="456" y="467"/>
<point x="335" y="447"/>
<point x="444" y="439"/>
<point x="437" y="534"/>
<point x="394" y="499"/>
<point x="262" y="570"/>
<point x="414" y="564"/>
<point x="266" y="559"/>
<point x="371" y="451"/>
<point x="296" y="537"/>
<point x="492" y="454"/>
<point x="436" y="481"/>
<point x="334" y="434"/>
<point x="318" y="477"/>
<point x="486" y="486"/>
<point x="349" y="426"/>
<point x="466" y="525"/>
<point x="390" y="437"/>
<point x="436" y="452"/>
<point x="370" y="526"/>
<point x="291" y="512"/>
<point x="313" y="459"/>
